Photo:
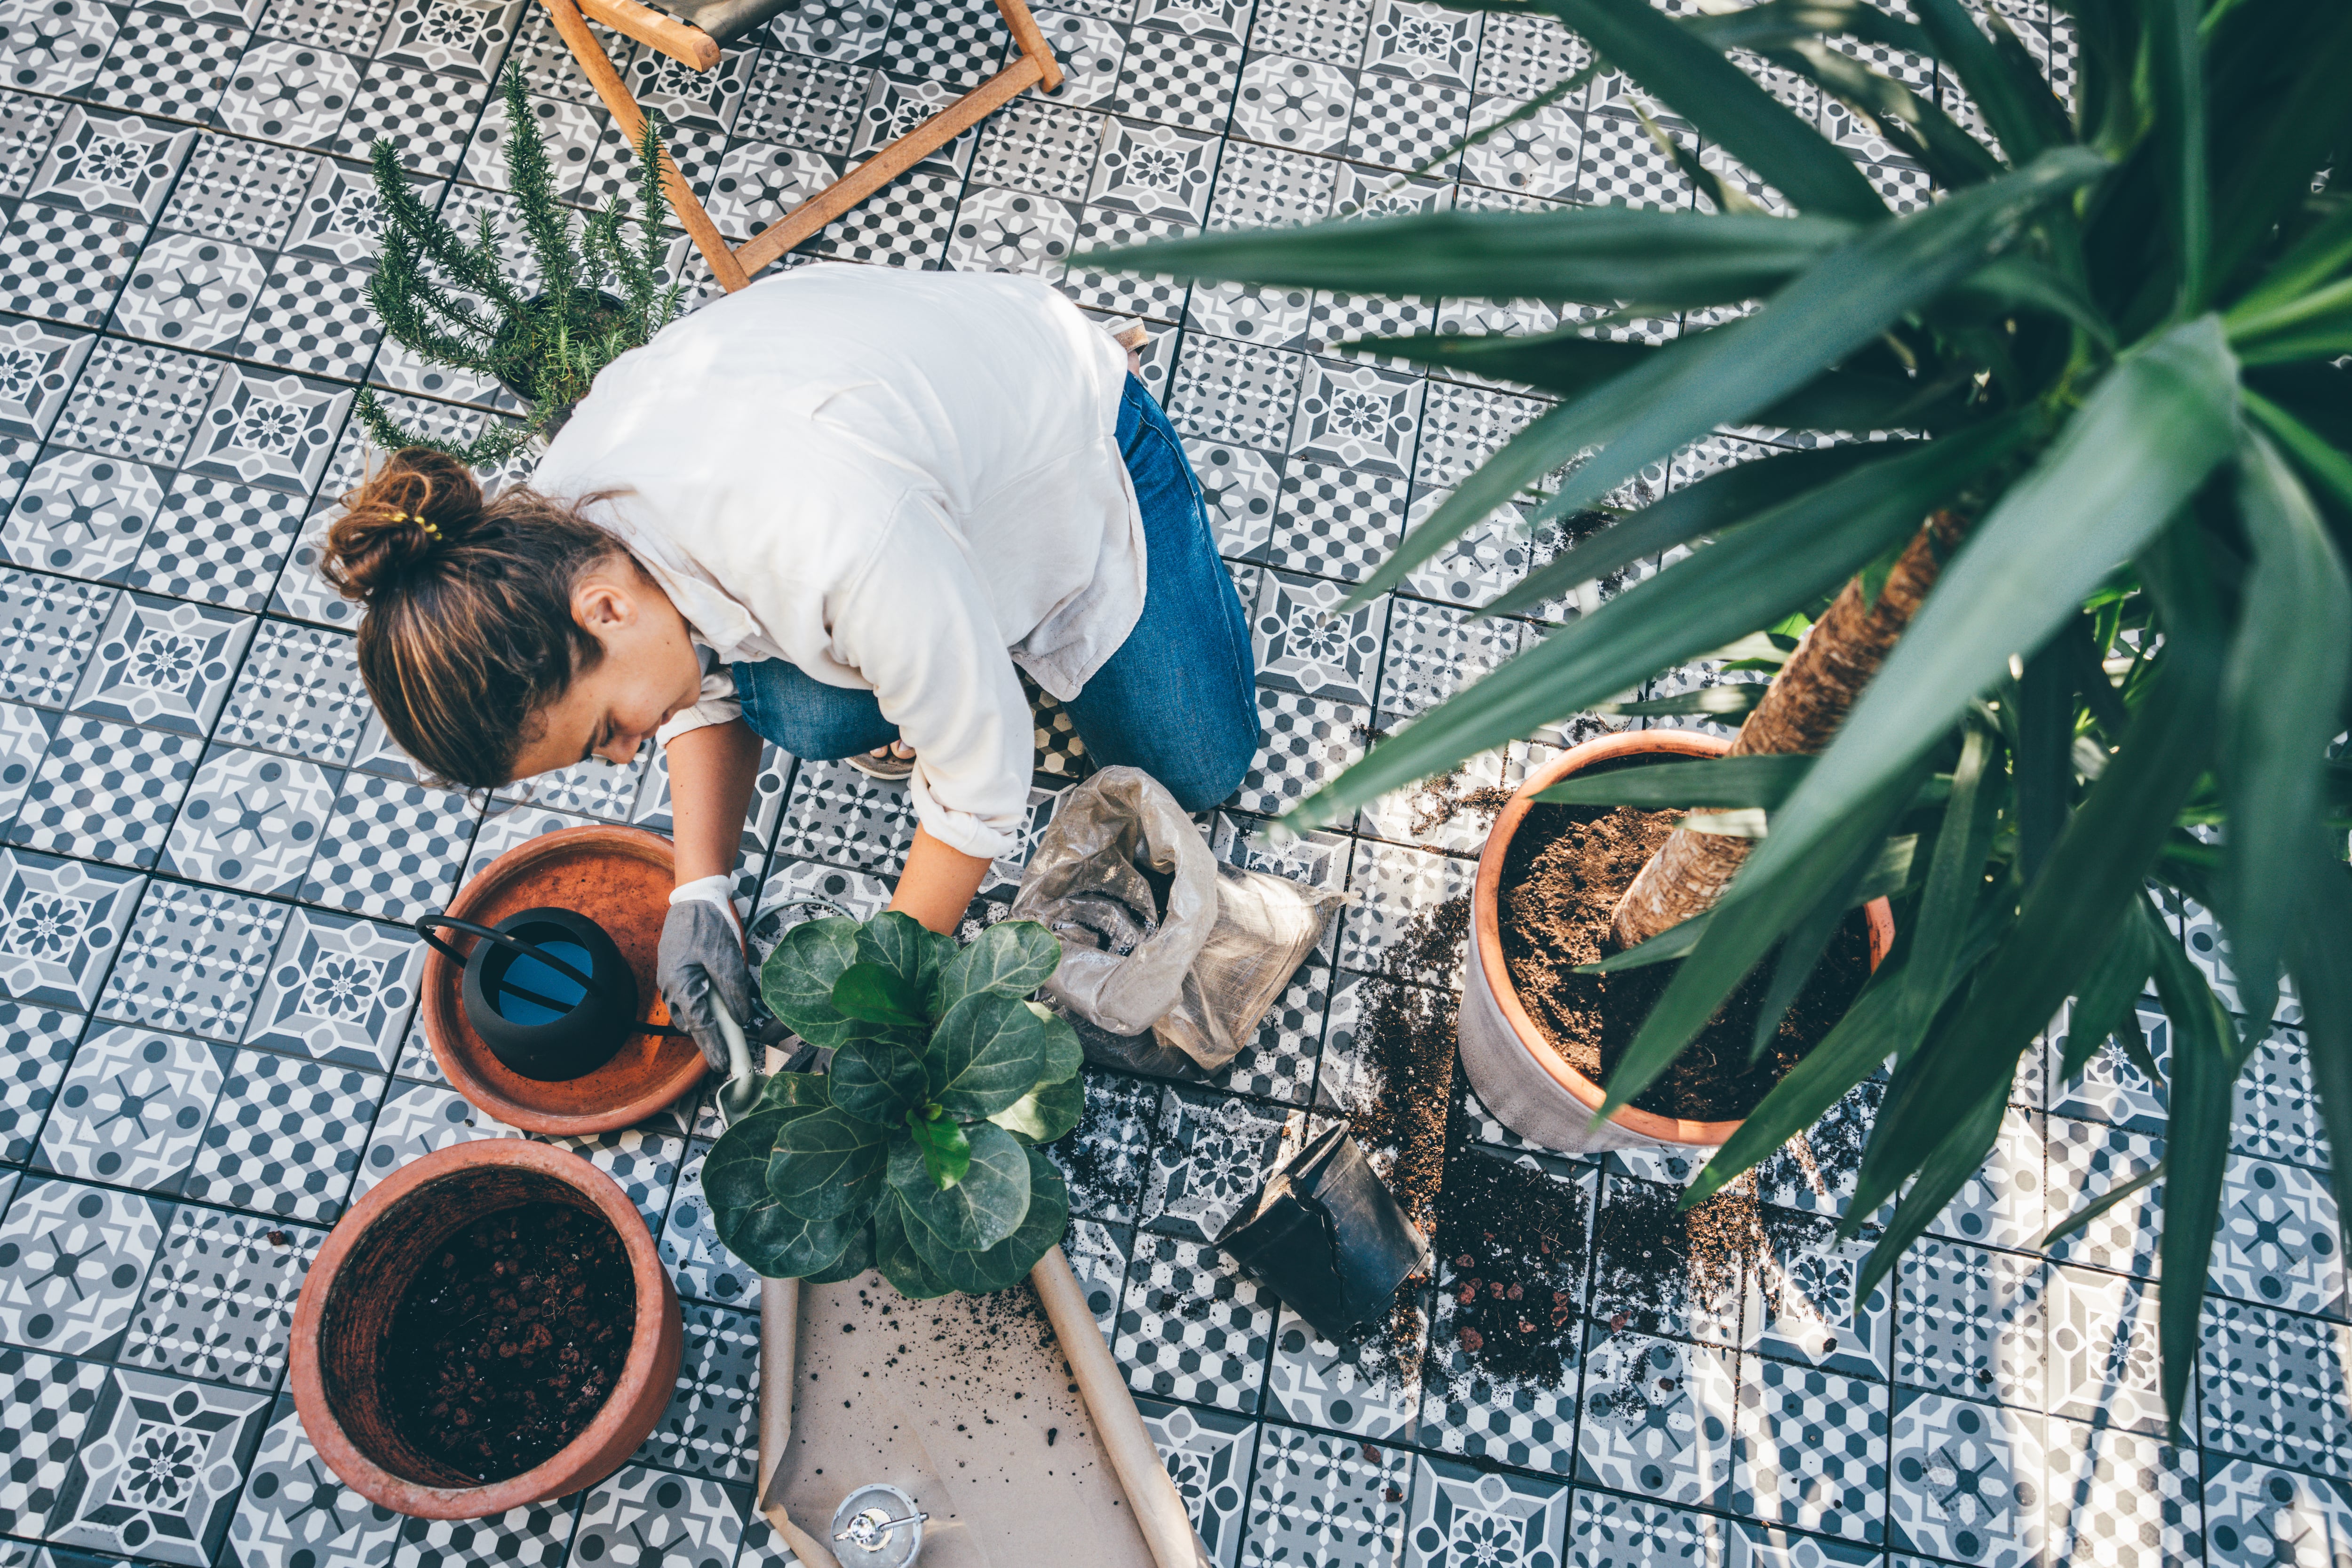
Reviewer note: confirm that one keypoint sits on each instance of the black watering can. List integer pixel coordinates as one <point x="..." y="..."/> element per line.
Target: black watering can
<point x="547" y="990"/>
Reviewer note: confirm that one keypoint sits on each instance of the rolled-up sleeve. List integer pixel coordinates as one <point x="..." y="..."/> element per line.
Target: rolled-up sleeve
<point x="916" y="623"/>
<point x="716" y="705"/>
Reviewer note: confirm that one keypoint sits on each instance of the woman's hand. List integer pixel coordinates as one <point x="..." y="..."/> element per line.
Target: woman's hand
<point x="701" y="968"/>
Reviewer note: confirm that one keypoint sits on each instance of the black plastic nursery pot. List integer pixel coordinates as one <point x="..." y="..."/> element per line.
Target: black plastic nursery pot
<point x="1327" y="1238"/>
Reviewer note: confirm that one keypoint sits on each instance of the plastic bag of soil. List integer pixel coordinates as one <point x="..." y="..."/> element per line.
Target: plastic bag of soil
<point x="1170" y="957"/>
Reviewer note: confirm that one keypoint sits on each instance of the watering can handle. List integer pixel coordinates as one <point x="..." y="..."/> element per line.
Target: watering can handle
<point x="424" y="924"/>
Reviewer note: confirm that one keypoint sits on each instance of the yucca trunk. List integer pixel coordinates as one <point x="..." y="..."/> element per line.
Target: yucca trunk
<point x="1801" y="711"/>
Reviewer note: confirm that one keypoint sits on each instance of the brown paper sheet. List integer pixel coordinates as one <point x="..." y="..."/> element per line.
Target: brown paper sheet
<point x="921" y="1394"/>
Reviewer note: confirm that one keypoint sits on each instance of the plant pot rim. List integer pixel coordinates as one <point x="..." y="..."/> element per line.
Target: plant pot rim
<point x="561" y="1472"/>
<point x="1486" y="914"/>
<point x="565" y="1108"/>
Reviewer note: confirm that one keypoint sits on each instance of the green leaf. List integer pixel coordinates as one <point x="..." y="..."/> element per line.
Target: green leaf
<point x="2131" y="456"/>
<point x="2013" y="284"/>
<point x="947" y="1151"/>
<point x="2004" y="94"/>
<point x="1731" y="701"/>
<point x="1010" y="1261"/>
<point x="1064" y="1055"/>
<point x="2282" y="700"/>
<point x="1741" y="928"/>
<point x="2323" y="464"/>
<point x="908" y="950"/>
<point x="988" y="1051"/>
<point x="979" y="1211"/>
<point x="2321" y="962"/>
<point x="1011" y="958"/>
<point x="2099" y="1206"/>
<point x="2071" y="912"/>
<point x="855" y="1260"/>
<point x="797" y="980"/>
<point x="796" y="1090"/>
<point x="1046" y="1112"/>
<point x="1878" y="1026"/>
<point x="2313" y="260"/>
<point x="1594" y="255"/>
<point x="1753" y="782"/>
<point x="896" y="1256"/>
<point x="2197" y="1150"/>
<point x="2042" y="771"/>
<point x="1947" y="910"/>
<point x="1751" y="577"/>
<point x="2110" y="992"/>
<point x="2175" y="71"/>
<point x="1725" y="104"/>
<point x="1724" y="498"/>
<point x="874" y="994"/>
<point x="749" y="1220"/>
<point x="1950" y="154"/>
<point x="879" y="1078"/>
<point x="1957" y="1150"/>
<point x="826" y="1165"/>
<point x="1725" y="374"/>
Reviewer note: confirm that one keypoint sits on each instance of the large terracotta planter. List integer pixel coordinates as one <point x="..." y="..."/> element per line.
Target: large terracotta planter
<point x="356" y="1284"/>
<point x="621" y="878"/>
<point x="1531" y="1088"/>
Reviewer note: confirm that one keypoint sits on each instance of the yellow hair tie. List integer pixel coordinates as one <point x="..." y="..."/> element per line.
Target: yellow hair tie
<point x="405" y="517"/>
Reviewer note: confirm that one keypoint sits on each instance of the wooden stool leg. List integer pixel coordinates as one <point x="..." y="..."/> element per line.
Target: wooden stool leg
<point x="1032" y="40"/>
<point x="574" y="29"/>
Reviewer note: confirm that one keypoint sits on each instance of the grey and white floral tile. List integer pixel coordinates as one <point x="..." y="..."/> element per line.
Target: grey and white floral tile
<point x="132" y="1108"/>
<point x="295" y="1513"/>
<point x="2256" y="1514"/>
<point x="1208" y="1161"/>
<point x="2276" y="1116"/>
<point x="71" y="1259"/>
<point x="1609" y="1531"/>
<point x="416" y="1119"/>
<point x="1971" y="1323"/>
<point x="2279" y="1242"/>
<point x="1461" y="1516"/>
<point x="709" y="1429"/>
<point x="285" y="1136"/>
<point x="1657" y="1419"/>
<point x="192" y="961"/>
<point x="1321" y="1497"/>
<point x="1811" y="1450"/>
<point x="2102" y="1362"/>
<point x="1800" y="1303"/>
<point x="161" y="1468"/>
<point x="699" y="1262"/>
<point x="219" y="1299"/>
<point x="1367" y="1390"/>
<point x="2272" y="1388"/>
<point x="1211" y="1455"/>
<point x="338" y="989"/>
<point x="642" y="1516"/>
<point x="1967" y="1480"/>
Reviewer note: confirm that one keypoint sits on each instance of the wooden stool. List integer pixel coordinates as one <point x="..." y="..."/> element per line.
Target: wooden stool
<point x="692" y="32"/>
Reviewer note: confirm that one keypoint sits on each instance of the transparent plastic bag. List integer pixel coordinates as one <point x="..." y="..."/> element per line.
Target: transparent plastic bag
<point x="1164" y="948"/>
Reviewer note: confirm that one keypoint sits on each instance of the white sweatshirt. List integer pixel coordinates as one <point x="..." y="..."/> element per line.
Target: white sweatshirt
<point x="890" y="479"/>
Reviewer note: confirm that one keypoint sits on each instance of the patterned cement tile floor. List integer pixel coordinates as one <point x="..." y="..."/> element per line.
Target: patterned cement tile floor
<point x="209" y="844"/>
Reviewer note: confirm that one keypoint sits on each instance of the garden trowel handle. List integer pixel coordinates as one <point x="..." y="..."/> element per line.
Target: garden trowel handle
<point x="740" y="1092"/>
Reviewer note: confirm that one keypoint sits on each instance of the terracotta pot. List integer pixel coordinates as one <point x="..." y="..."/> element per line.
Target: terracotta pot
<point x="1531" y="1088"/>
<point x="620" y="878"/>
<point x="356" y="1284"/>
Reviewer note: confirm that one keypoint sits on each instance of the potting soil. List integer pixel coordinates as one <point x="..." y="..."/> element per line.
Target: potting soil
<point x="1562" y="875"/>
<point x="1512" y="1242"/>
<point x="509" y="1339"/>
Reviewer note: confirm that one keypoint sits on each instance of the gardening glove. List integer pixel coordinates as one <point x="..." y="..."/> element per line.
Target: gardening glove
<point x="701" y="967"/>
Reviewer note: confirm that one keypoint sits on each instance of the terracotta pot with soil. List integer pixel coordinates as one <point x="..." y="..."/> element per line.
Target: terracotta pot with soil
<point x="490" y="1327"/>
<point x="621" y="878"/>
<point x="1538" y="1039"/>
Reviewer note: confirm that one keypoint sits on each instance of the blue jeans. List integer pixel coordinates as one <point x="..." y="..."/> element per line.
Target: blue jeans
<point x="1178" y="700"/>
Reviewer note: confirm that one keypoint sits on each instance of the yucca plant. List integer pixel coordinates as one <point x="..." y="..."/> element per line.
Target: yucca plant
<point x="2080" y="631"/>
<point x="451" y="300"/>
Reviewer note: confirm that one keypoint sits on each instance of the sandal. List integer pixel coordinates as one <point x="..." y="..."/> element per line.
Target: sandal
<point x="884" y="763"/>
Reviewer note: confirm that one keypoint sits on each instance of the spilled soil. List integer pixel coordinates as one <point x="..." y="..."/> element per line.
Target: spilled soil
<point x="1565" y="871"/>
<point x="509" y="1339"/>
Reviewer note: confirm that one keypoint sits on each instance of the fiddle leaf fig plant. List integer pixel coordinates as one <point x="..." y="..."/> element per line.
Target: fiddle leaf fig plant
<point x="917" y="1152"/>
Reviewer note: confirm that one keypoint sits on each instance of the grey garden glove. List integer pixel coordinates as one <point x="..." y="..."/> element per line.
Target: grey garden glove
<point x="701" y="968"/>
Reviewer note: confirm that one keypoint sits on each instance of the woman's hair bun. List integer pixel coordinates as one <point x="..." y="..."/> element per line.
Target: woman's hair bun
<point x="417" y="505"/>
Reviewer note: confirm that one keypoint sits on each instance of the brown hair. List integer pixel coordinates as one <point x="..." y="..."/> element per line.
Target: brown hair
<point x="469" y="632"/>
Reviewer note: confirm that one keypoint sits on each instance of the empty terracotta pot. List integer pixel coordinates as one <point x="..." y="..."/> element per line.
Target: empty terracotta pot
<point x="621" y="878"/>
<point x="356" y="1284"/>
<point x="1531" y="1088"/>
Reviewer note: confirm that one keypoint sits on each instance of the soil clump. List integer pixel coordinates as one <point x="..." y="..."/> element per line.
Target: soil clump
<point x="1562" y="875"/>
<point x="509" y="1339"/>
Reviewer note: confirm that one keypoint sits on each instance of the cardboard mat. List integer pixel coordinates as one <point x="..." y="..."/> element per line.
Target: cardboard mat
<point x="1022" y="1454"/>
